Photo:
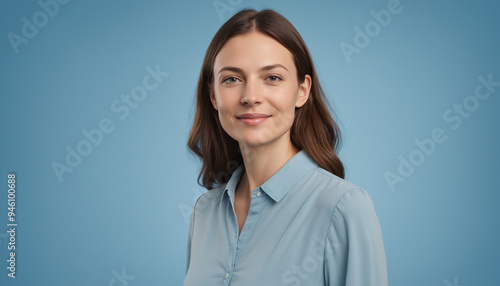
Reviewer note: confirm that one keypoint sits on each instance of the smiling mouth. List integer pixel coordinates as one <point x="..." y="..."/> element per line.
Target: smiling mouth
<point x="253" y="118"/>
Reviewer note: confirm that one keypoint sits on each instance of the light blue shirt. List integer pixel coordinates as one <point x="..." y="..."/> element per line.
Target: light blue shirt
<point x="305" y="226"/>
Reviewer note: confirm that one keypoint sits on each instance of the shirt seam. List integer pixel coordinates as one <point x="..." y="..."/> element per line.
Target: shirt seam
<point x="194" y="210"/>
<point x="329" y="174"/>
<point x="331" y="225"/>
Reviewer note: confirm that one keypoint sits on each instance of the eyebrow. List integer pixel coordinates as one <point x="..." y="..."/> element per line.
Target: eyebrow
<point x="238" y="70"/>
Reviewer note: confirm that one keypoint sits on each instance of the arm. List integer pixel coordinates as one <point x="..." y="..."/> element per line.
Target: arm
<point x="354" y="249"/>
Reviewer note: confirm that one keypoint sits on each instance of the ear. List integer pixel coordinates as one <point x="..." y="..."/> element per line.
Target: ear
<point x="212" y="96"/>
<point x="304" y="90"/>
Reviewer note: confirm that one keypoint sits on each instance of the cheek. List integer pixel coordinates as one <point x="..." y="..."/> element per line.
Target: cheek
<point x="225" y="108"/>
<point x="285" y="106"/>
<point x="227" y="122"/>
<point x="285" y="100"/>
<point x="225" y="118"/>
<point x="226" y="100"/>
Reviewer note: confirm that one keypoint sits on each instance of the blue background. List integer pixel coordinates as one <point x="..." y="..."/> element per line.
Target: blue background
<point x="126" y="206"/>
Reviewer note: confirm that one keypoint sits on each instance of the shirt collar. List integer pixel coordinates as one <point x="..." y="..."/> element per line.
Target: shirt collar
<point x="282" y="181"/>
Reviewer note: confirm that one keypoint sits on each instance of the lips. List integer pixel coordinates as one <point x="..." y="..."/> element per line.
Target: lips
<point x="252" y="116"/>
<point x="253" y="119"/>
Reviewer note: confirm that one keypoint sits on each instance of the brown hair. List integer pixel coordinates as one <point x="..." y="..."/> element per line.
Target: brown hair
<point x="313" y="130"/>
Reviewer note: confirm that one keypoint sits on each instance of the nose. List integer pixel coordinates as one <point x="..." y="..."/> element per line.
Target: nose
<point x="252" y="93"/>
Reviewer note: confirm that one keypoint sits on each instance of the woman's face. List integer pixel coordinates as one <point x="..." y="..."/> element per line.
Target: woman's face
<point x="255" y="89"/>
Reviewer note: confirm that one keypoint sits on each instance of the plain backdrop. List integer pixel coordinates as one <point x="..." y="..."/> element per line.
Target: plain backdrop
<point x="420" y="131"/>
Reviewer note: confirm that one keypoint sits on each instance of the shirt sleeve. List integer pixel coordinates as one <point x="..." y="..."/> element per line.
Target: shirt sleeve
<point x="354" y="249"/>
<point x="190" y="235"/>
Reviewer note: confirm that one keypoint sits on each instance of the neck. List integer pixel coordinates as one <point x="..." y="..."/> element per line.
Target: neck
<point x="263" y="161"/>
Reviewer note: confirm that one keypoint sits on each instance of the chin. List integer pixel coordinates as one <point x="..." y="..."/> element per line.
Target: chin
<point x="252" y="141"/>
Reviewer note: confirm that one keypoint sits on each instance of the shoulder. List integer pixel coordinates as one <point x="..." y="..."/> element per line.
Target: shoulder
<point x="208" y="199"/>
<point x="335" y="190"/>
<point x="351" y="211"/>
<point x="344" y="199"/>
<point x="355" y="205"/>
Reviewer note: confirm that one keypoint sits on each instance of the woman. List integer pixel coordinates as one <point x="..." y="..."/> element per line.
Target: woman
<point x="278" y="211"/>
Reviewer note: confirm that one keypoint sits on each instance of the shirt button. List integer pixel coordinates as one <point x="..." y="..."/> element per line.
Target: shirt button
<point x="258" y="194"/>
<point x="227" y="275"/>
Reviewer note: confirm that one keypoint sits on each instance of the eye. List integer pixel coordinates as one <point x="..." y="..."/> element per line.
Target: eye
<point x="230" y="79"/>
<point x="273" y="78"/>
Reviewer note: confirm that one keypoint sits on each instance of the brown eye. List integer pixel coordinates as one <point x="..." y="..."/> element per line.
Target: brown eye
<point x="273" y="78"/>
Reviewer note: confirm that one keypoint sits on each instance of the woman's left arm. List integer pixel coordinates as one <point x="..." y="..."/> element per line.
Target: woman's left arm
<point x="354" y="249"/>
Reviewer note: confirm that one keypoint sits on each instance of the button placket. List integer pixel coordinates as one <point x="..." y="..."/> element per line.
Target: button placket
<point x="256" y="205"/>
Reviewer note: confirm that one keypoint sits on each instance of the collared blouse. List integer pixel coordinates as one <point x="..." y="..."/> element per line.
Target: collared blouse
<point x="305" y="226"/>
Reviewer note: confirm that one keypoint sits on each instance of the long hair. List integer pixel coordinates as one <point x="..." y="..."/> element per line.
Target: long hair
<point x="314" y="129"/>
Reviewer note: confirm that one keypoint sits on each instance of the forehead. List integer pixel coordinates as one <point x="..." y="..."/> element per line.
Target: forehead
<point x="253" y="50"/>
